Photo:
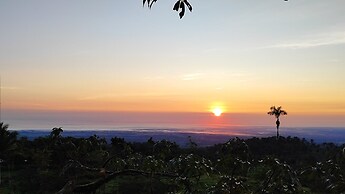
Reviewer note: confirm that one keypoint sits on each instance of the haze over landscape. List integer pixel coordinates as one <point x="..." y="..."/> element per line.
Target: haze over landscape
<point x="113" y="64"/>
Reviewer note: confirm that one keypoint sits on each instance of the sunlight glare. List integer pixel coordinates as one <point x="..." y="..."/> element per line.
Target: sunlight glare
<point x="217" y="111"/>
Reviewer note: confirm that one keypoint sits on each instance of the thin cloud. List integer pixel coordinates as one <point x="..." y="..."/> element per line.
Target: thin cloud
<point x="9" y="88"/>
<point x="192" y="76"/>
<point x="112" y="96"/>
<point x="334" y="61"/>
<point x="315" y="41"/>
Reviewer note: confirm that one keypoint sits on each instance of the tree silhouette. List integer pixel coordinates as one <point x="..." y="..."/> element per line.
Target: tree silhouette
<point x="7" y="139"/>
<point x="56" y="132"/>
<point x="256" y="165"/>
<point x="277" y="111"/>
<point x="7" y="144"/>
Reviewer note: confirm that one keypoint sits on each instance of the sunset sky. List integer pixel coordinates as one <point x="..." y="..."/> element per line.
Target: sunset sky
<point x="86" y="56"/>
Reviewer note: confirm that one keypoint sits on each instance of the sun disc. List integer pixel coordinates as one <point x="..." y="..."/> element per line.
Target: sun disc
<point x="217" y="112"/>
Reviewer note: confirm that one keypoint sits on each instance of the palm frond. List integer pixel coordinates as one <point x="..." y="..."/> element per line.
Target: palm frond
<point x="277" y="111"/>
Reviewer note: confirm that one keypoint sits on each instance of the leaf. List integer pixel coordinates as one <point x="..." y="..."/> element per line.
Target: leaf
<point x="189" y="5"/>
<point x="176" y="6"/>
<point x="153" y="1"/>
<point x="183" y="10"/>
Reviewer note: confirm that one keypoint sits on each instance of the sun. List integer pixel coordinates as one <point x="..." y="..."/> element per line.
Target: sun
<point x="217" y="111"/>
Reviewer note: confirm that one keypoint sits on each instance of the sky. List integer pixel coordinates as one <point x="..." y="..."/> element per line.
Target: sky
<point x="87" y="57"/>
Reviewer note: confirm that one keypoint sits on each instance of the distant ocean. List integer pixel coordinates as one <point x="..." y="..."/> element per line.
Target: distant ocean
<point x="204" y="128"/>
<point x="203" y="136"/>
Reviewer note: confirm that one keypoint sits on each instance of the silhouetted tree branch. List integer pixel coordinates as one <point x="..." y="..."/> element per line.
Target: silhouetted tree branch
<point x="179" y="5"/>
<point x="108" y="175"/>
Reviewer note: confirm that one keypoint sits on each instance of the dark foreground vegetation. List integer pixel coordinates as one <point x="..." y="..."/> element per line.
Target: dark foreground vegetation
<point x="56" y="164"/>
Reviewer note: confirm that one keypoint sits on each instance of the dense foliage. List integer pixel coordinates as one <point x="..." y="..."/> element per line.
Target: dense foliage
<point x="57" y="164"/>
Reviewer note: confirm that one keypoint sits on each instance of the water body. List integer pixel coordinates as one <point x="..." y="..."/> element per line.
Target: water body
<point x="202" y="136"/>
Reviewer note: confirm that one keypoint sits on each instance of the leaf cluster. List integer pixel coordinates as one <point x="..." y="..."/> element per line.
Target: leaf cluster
<point x="179" y="6"/>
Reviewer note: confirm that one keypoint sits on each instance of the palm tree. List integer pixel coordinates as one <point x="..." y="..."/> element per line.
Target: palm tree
<point x="277" y="111"/>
